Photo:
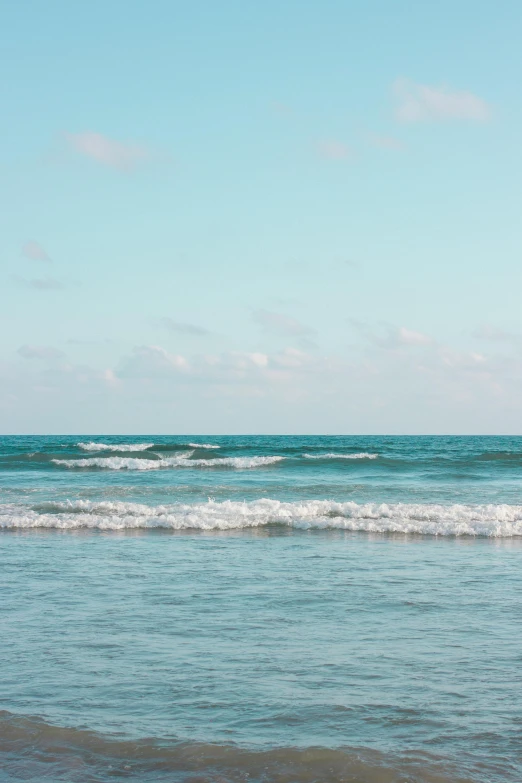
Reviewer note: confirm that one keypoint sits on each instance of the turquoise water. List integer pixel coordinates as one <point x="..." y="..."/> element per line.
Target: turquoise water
<point x="273" y="609"/>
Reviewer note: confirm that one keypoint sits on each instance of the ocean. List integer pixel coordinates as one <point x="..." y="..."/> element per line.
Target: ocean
<point x="261" y="608"/>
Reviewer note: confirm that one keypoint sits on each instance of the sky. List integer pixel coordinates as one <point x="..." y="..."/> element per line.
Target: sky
<point x="281" y="217"/>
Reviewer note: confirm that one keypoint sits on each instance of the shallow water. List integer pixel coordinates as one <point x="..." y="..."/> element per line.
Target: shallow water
<point x="289" y="629"/>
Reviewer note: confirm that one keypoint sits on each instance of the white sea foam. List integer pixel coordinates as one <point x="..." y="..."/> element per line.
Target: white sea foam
<point x="332" y="455"/>
<point x="181" y="461"/>
<point x="91" y="446"/>
<point x="203" y="446"/>
<point x="501" y="521"/>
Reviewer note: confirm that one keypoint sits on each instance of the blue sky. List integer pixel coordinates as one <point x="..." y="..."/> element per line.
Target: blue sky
<point x="260" y="217"/>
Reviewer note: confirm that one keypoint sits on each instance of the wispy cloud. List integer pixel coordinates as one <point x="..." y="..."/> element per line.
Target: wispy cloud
<point x="232" y="367"/>
<point x="392" y="338"/>
<point x="152" y="361"/>
<point x="432" y="370"/>
<point x="39" y="283"/>
<point x="385" y="142"/>
<point x="409" y="337"/>
<point x="108" y="152"/>
<point x="424" y="383"/>
<point x="282" y="325"/>
<point x="400" y="337"/>
<point x="182" y="327"/>
<point x="40" y="352"/>
<point x="422" y="102"/>
<point x="334" y="150"/>
<point x="34" y="251"/>
<point x="489" y="332"/>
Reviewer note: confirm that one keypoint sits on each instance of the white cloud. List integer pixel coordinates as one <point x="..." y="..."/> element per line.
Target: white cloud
<point x="409" y="337"/>
<point x="461" y="360"/>
<point x="152" y="361"/>
<point x="108" y="152"/>
<point x="231" y="367"/>
<point x="412" y="383"/>
<point x="259" y="359"/>
<point x="422" y="102"/>
<point x="291" y="358"/>
<point x="393" y="338"/>
<point x="35" y="251"/>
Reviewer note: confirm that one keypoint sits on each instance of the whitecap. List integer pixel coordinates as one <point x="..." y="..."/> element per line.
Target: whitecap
<point x="181" y="461"/>
<point x="92" y="446"/>
<point x="497" y="521"/>
<point x="332" y="455"/>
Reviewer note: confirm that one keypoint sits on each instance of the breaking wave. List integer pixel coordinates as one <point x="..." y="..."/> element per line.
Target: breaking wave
<point x="91" y="446"/>
<point x="182" y="461"/>
<point x="500" y="521"/>
<point x="203" y="446"/>
<point x="331" y="455"/>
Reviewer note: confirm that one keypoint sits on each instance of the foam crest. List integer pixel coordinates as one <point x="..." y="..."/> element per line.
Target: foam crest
<point x="91" y="446"/>
<point x="332" y="455"/>
<point x="500" y="521"/>
<point x="203" y="446"/>
<point x="182" y="461"/>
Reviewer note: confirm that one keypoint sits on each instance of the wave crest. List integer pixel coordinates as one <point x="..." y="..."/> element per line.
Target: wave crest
<point x="92" y="446"/>
<point x="332" y="455"/>
<point x="182" y="461"/>
<point x="500" y="521"/>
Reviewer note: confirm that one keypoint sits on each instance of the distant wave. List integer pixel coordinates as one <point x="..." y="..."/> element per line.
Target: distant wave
<point x="182" y="461"/>
<point x="502" y="521"/>
<point x="91" y="446"/>
<point x="332" y="455"/>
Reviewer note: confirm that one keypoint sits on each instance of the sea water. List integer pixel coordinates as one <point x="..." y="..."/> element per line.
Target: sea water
<point x="261" y="608"/>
